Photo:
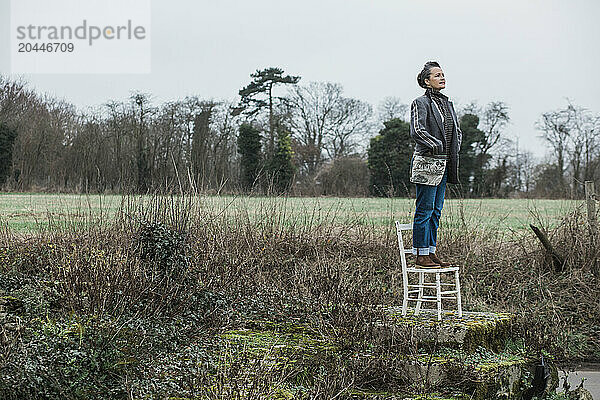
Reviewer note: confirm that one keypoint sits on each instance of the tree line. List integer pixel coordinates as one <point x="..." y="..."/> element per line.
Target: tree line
<point x="280" y="136"/>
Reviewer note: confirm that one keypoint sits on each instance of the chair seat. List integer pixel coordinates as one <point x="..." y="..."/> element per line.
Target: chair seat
<point x="447" y="292"/>
<point x="432" y="299"/>
<point x="428" y="285"/>
<point x="432" y="270"/>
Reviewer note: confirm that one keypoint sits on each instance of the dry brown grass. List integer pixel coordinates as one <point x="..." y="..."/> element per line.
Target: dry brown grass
<point x="170" y="271"/>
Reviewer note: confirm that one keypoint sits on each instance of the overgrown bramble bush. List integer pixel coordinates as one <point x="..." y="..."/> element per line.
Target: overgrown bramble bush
<point x="164" y="249"/>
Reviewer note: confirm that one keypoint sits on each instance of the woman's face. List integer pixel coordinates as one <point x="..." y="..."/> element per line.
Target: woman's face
<point x="436" y="79"/>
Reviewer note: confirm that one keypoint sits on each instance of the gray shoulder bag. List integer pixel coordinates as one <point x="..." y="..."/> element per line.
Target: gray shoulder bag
<point x="428" y="170"/>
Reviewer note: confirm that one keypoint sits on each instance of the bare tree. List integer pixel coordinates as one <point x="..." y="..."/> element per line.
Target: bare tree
<point x="351" y="122"/>
<point x="556" y="128"/>
<point x="523" y="164"/>
<point x="470" y="108"/>
<point x="392" y="107"/>
<point x="526" y="164"/>
<point x="494" y="119"/>
<point x="224" y="151"/>
<point x="118" y="123"/>
<point x="325" y="123"/>
<point x="14" y="100"/>
<point x="40" y="123"/>
<point x="313" y="106"/>
<point x="583" y="149"/>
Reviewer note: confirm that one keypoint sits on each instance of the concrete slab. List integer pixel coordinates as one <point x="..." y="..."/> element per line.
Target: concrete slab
<point x="472" y="330"/>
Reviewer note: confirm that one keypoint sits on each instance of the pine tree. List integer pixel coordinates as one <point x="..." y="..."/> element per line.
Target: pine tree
<point x="249" y="147"/>
<point x="281" y="167"/>
<point x="471" y="172"/>
<point x="389" y="157"/>
<point x="252" y="100"/>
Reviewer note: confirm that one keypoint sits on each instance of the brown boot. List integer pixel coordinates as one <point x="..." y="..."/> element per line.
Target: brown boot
<point x="437" y="260"/>
<point x="425" y="261"/>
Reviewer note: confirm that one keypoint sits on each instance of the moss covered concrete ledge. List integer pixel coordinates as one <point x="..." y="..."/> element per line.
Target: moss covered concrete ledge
<point x="475" y="329"/>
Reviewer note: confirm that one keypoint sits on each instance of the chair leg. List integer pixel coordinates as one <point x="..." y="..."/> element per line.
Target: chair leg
<point x="405" y="296"/>
<point x="439" y="295"/>
<point x="458" y="298"/>
<point x="421" y="281"/>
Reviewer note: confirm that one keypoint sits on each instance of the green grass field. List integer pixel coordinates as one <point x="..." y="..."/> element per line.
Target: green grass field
<point x="26" y="212"/>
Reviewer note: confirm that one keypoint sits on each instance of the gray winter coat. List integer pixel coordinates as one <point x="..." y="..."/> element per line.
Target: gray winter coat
<point x="427" y="129"/>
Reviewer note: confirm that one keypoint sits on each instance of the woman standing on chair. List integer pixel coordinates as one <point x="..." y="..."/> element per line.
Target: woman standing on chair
<point x="434" y="127"/>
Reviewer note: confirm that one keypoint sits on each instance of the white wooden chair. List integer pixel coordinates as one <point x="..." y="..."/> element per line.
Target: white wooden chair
<point x="409" y="289"/>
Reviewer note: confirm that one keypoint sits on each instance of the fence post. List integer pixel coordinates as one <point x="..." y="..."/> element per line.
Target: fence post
<point x="590" y="197"/>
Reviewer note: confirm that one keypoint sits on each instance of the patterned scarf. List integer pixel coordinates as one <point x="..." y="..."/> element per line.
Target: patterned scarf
<point x="442" y="102"/>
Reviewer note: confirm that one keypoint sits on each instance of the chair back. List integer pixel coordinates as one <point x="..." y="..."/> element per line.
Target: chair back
<point x="403" y="251"/>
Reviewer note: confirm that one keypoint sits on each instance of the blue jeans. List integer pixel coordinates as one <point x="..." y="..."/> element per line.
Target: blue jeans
<point x="430" y="200"/>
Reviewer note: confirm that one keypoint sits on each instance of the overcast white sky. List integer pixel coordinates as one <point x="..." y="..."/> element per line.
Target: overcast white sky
<point x="531" y="54"/>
